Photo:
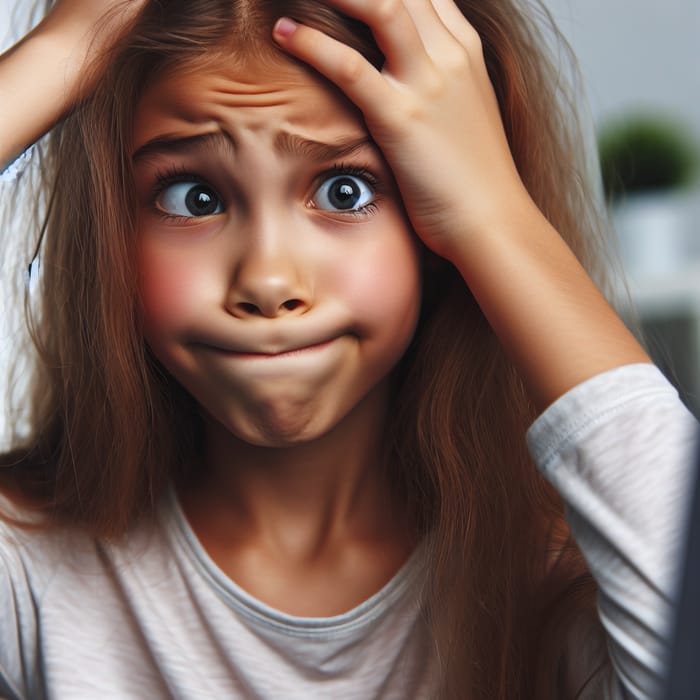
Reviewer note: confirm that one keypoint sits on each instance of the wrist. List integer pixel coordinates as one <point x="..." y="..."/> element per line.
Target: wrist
<point x="549" y="315"/>
<point x="505" y="223"/>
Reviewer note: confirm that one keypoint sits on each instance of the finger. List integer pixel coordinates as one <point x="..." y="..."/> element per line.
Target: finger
<point x="470" y="40"/>
<point x="436" y="38"/>
<point x="457" y="24"/>
<point x="394" y="31"/>
<point x="347" y="68"/>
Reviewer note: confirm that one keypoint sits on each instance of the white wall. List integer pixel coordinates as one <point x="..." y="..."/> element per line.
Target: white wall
<point x="7" y="7"/>
<point x="11" y="268"/>
<point x="636" y="53"/>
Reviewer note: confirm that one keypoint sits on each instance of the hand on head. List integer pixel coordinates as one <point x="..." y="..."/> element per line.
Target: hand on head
<point x="55" y="55"/>
<point x="431" y="109"/>
<point x="85" y="27"/>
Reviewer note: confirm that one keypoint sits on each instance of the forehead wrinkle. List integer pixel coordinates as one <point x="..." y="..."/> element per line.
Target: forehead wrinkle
<point x="297" y="146"/>
<point x="285" y="143"/>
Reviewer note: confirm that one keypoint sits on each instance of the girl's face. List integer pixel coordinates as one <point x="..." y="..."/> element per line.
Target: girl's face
<point x="279" y="276"/>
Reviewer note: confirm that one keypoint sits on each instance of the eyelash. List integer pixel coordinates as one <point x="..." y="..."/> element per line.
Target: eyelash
<point x="173" y="175"/>
<point x="164" y="179"/>
<point x="365" y="174"/>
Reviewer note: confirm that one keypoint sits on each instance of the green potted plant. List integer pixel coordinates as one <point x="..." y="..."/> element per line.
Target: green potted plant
<point x="649" y="163"/>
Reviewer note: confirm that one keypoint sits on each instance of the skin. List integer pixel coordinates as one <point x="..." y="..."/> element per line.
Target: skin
<point x="55" y="56"/>
<point x="463" y="194"/>
<point x="291" y="529"/>
<point x="283" y="316"/>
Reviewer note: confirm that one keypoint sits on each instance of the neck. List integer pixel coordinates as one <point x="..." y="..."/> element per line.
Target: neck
<point x="302" y="500"/>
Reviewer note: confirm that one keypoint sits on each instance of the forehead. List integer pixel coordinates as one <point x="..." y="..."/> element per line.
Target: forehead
<point x="269" y="98"/>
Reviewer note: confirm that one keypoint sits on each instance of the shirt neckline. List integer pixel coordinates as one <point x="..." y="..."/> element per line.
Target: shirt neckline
<point x="258" y="613"/>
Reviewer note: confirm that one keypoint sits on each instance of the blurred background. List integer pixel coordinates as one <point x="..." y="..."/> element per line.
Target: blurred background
<point x="639" y="62"/>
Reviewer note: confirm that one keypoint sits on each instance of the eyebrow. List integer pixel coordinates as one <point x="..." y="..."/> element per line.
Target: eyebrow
<point x="167" y="145"/>
<point x="308" y="149"/>
<point x="286" y="143"/>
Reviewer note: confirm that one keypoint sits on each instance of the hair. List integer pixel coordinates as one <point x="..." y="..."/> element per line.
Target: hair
<point x="505" y="583"/>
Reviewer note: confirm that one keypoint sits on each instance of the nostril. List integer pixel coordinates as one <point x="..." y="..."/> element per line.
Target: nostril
<point x="251" y="309"/>
<point x="247" y="308"/>
<point x="291" y="304"/>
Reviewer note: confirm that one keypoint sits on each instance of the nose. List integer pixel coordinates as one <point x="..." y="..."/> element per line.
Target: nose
<point x="269" y="280"/>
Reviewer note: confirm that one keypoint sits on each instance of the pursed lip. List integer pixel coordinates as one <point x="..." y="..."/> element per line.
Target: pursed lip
<point x="282" y="352"/>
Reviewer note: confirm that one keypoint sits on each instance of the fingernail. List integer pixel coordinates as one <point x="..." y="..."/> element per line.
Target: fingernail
<point x="285" y="27"/>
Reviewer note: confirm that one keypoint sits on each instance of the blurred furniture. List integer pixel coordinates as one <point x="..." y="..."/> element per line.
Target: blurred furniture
<point x="669" y="310"/>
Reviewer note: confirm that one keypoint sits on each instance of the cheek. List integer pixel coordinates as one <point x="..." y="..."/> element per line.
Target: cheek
<point x="172" y="285"/>
<point x="385" y="288"/>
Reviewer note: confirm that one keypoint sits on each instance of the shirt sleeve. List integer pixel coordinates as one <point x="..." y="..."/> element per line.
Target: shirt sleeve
<point x="620" y="449"/>
<point x="12" y="170"/>
<point x="19" y="677"/>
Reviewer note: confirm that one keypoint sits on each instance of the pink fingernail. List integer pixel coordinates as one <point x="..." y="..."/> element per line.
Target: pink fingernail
<point x="285" y="27"/>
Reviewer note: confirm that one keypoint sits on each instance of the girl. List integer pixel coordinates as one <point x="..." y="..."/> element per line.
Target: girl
<point x="311" y="270"/>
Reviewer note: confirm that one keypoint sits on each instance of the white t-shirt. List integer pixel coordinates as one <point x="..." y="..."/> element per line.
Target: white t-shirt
<point x="9" y="172"/>
<point x="155" y="618"/>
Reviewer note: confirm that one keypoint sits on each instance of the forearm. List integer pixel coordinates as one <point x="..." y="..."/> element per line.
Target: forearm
<point x="38" y="80"/>
<point x="548" y="313"/>
<point x="434" y="113"/>
<point x="43" y="75"/>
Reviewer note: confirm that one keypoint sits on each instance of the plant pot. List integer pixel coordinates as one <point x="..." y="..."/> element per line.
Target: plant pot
<point x="654" y="233"/>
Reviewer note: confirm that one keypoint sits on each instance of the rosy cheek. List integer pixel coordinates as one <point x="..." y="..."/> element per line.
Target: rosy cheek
<point x="385" y="286"/>
<point x="171" y="287"/>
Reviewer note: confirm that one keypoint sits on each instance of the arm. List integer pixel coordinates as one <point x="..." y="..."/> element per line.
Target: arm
<point x="620" y="458"/>
<point x="620" y="448"/>
<point x="40" y="77"/>
<point x="20" y="675"/>
<point x="555" y="323"/>
<point x="433" y="112"/>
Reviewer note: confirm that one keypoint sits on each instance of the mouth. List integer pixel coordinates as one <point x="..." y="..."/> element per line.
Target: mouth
<point x="291" y="352"/>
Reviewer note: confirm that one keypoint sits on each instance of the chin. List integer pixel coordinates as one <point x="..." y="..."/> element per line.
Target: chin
<point x="277" y="428"/>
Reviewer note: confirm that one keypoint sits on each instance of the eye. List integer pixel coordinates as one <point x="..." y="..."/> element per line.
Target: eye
<point x="189" y="199"/>
<point x="344" y="192"/>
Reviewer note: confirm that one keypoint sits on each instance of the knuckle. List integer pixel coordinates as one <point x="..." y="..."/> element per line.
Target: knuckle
<point x="385" y="10"/>
<point x="472" y="42"/>
<point x="351" y="68"/>
<point x="457" y="60"/>
<point x="438" y="86"/>
<point x="414" y="111"/>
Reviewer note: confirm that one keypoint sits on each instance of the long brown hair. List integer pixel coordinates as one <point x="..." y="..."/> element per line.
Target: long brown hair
<point x="504" y="580"/>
